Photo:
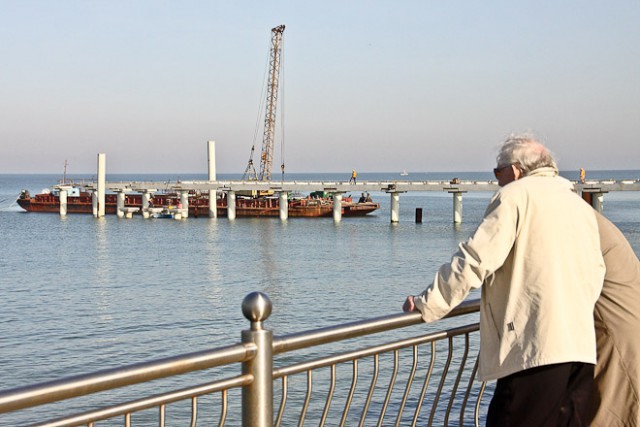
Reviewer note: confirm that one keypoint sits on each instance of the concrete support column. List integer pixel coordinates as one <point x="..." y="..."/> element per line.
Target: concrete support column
<point x="337" y="207"/>
<point x="213" y="204"/>
<point x="457" y="207"/>
<point x="102" y="183"/>
<point x="184" y="200"/>
<point x="63" y="201"/>
<point x="94" y="202"/>
<point x="211" y="155"/>
<point x="120" y="204"/>
<point x="283" y="204"/>
<point x="395" y="207"/>
<point x="231" y="205"/>
<point x="146" y="197"/>
<point x="597" y="201"/>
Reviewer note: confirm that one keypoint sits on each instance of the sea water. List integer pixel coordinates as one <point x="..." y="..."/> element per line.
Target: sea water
<point x="80" y="294"/>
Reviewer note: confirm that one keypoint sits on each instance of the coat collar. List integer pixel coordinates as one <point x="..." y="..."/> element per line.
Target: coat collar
<point x="543" y="171"/>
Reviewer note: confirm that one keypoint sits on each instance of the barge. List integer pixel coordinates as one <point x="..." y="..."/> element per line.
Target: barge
<point x="79" y="201"/>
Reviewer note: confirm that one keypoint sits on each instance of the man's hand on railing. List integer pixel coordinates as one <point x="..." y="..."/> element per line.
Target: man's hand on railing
<point x="408" y="305"/>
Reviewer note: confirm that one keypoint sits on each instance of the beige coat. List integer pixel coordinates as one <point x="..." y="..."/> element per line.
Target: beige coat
<point x="617" y="317"/>
<point x="537" y="256"/>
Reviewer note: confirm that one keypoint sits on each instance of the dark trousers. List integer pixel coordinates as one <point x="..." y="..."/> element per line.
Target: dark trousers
<point x="563" y="394"/>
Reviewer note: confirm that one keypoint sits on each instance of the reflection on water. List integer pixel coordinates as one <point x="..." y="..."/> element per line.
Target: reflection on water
<point x="101" y="261"/>
<point x="81" y="294"/>
<point x="212" y="260"/>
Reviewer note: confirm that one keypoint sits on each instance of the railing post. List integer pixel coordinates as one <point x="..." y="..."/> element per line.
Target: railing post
<point x="257" y="398"/>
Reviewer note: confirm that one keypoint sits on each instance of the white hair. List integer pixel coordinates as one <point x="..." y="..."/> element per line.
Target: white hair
<point x="525" y="152"/>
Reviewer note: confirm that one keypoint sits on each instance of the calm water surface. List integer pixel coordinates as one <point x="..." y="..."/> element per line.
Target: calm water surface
<point x="80" y="294"/>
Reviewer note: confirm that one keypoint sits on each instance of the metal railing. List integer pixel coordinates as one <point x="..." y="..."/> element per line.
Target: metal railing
<point x="385" y="383"/>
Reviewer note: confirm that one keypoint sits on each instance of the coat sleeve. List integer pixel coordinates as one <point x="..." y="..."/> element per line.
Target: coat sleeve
<point x="474" y="262"/>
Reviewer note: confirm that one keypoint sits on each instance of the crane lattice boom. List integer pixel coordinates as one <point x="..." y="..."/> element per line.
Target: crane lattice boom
<point x="266" y="158"/>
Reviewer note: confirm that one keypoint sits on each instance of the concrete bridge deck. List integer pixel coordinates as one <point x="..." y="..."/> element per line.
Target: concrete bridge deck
<point x="338" y="186"/>
<point x="592" y="191"/>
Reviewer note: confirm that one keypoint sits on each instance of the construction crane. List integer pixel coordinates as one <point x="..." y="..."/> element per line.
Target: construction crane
<point x="268" y="135"/>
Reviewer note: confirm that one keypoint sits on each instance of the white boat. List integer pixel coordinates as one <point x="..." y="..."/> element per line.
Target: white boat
<point x="404" y="173"/>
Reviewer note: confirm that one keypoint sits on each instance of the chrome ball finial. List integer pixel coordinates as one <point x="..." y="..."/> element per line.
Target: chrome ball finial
<point x="256" y="307"/>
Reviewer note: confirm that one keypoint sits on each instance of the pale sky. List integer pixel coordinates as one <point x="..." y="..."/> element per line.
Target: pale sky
<point x="379" y="86"/>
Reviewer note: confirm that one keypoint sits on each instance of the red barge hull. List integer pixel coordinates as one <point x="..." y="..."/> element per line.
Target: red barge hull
<point x="199" y="206"/>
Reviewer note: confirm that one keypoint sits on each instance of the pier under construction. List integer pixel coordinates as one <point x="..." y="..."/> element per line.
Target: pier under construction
<point x="187" y="192"/>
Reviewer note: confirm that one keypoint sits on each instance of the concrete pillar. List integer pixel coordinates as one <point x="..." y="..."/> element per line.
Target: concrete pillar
<point x="395" y="207"/>
<point x="102" y="183"/>
<point x="94" y="202"/>
<point x="184" y="200"/>
<point x="211" y="155"/>
<point x="120" y="204"/>
<point x="213" y="204"/>
<point x="597" y="201"/>
<point x="63" y="201"/>
<point x="283" y="204"/>
<point x="146" y="197"/>
<point x="457" y="207"/>
<point x="231" y="205"/>
<point x="337" y="207"/>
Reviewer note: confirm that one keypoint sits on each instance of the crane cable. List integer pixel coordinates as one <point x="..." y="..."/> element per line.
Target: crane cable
<point x="282" y="127"/>
<point x="261" y="103"/>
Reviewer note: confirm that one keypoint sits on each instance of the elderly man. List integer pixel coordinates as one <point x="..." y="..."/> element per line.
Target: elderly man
<point x="536" y="255"/>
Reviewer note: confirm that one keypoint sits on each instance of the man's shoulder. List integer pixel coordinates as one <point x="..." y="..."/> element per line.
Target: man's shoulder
<point x="532" y="188"/>
<point x="530" y="183"/>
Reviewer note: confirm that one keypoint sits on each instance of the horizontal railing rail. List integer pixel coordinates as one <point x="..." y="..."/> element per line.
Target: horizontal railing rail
<point x="383" y="381"/>
<point x="360" y="328"/>
<point x="160" y="401"/>
<point x="109" y="379"/>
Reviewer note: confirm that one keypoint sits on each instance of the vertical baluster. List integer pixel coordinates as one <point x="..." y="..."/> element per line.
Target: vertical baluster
<point x="412" y="374"/>
<point x="283" y="401"/>
<point x="352" y="389"/>
<point x="376" y="368"/>
<point x="392" y="382"/>
<point x="307" y="398"/>
<point x="329" y="396"/>
<point x="443" y="378"/>
<point x="194" y="411"/>
<point x="224" y="407"/>
<point x="454" y="390"/>
<point x="426" y="383"/>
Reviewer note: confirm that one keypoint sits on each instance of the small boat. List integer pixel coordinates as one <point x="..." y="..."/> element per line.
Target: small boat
<point x="404" y="173"/>
<point x="166" y="212"/>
